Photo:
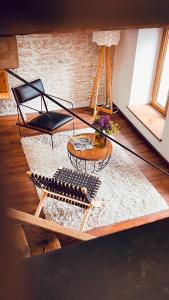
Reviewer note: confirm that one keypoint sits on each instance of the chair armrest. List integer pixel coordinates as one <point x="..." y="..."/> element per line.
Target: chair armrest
<point x="31" y="108"/>
<point x="61" y="99"/>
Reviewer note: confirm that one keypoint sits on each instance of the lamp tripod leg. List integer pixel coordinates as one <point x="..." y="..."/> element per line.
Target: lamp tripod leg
<point x="96" y="84"/>
<point x="109" y="97"/>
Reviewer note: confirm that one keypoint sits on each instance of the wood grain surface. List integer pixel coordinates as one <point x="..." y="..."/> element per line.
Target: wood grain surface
<point x="94" y="154"/>
<point x="20" y="193"/>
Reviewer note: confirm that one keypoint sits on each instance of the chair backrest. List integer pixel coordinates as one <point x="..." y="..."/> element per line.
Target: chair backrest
<point x="66" y="182"/>
<point x="62" y="191"/>
<point x="24" y="92"/>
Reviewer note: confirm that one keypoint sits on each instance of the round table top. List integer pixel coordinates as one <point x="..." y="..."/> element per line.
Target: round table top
<point x="92" y="154"/>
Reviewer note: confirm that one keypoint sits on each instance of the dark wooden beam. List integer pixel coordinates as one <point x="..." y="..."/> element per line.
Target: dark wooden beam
<point x="64" y="15"/>
<point x="132" y="264"/>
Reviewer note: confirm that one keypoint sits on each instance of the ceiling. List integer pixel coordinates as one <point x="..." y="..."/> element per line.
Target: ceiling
<point x="23" y="17"/>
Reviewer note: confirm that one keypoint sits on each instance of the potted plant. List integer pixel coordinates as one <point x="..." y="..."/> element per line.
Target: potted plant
<point x="104" y="124"/>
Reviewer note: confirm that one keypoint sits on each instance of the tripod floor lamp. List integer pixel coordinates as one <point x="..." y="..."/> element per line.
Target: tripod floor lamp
<point x="104" y="39"/>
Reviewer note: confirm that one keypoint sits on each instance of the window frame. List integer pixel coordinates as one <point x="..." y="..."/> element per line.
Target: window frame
<point x="159" y="69"/>
<point x="5" y="95"/>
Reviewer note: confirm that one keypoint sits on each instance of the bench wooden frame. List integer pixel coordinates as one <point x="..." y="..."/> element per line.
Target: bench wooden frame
<point x="26" y="218"/>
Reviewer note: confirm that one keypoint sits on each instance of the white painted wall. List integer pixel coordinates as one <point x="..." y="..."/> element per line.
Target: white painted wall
<point x="133" y="79"/>
<point x="123" y="67"/>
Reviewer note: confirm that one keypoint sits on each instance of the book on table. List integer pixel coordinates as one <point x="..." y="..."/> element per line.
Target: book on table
<point x="81" y="143"/>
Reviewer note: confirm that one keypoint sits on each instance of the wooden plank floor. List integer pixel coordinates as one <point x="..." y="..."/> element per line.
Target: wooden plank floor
<point x="20" y="192"/>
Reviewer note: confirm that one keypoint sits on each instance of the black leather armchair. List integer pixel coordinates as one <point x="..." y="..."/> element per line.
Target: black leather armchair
<point x="46" y="121"/>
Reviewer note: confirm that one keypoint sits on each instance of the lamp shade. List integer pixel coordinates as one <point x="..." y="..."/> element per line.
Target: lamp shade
<point x="106" y="38"/>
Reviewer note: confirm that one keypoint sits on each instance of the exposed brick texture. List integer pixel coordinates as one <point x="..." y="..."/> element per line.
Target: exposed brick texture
<point x="66" y="63"/>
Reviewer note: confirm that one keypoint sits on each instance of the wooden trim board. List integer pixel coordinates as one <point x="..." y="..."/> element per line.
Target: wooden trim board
<point x="130" y="223"/>
<point x="49" y="225"/>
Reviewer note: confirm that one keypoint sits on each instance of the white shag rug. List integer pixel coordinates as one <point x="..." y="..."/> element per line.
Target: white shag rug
<point x="125" y="191"/>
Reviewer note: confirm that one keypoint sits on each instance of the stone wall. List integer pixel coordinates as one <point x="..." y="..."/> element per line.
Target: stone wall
<point x="66" y="63"/>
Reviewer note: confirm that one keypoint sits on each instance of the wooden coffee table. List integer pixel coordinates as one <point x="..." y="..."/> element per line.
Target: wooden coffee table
<point x="98" y="157"/>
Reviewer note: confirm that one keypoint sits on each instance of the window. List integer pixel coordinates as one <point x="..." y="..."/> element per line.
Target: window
<point x="160" y="94"/>
<point x="4" y="88"/>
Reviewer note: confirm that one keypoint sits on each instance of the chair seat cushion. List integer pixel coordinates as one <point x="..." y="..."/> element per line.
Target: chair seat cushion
<point x="50" y="121"/>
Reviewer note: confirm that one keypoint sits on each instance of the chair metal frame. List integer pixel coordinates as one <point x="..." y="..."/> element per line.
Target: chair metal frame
<point x="43" y="102"/>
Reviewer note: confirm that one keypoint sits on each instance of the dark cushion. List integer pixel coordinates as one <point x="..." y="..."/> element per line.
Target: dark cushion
<point x="24" y="92"/>
<point x="50" y="121"/>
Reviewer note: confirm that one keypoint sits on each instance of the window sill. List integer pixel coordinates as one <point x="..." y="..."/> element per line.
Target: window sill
<point x="150" y="118"/>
